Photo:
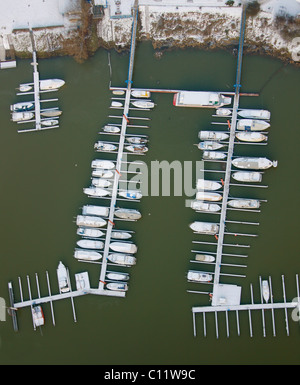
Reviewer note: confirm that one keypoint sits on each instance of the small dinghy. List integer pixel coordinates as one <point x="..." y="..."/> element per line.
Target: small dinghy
<point x="22" y="106"/>
<point x="130" y="194"/>
<point x="212" y="135"/>
<point x="22" y="116"/>
<point x="265" y="290"/>
<point x="90" y="244"/>
<point x="87" y="255"/>
<point x="37" y="315"/>
<point x="101" y="173"/>
<point x="117" y="276"/>
<point x="244" y="203"/>
<point x="101" y="211"/>
<point x="90" y="233"/>
<point x="137" y="149"/>
<point x="255" y="114"/>
<point x="99" y="182"/>
<point x="96" y="192"/>
<point x="198" y="276"/>
<point x="49" y="122"/>
<point x="103" y="164"/>
<point x="136" y="140"/>
<point x="204" y="258"/>
<point x="130" y="214"/>
<point x="107" y="147"/>
<point x="122" y="259"/>
<point x="120" y="235"/>
<point x="62" y="278"/>
<point x="51" y="113"/>
<point x="204" y="206"/>
<point x="254" y="163"/>
<point x="252" y="125"/>
<point x="223" y="112"/>
<point x="25" y="87"/>
<point x="118" y="92"/>
<point x="211" y="185"/>
<point x="204" y="227"/>
<point x="245" y="176"/>
<point x="118" y="286"/>
<point x="90" y="221"/>
<point x="255" y="137"/>
<point x="142" y="104"/>
<point x="116" y="104"/>
<point x="123" y="247"/>
<point x="210" y="145"/>
<point x="208" y="196"/>
<point x="214" y="155"/>
<point x="140" y="94"/>
<point x="111" y="129"/>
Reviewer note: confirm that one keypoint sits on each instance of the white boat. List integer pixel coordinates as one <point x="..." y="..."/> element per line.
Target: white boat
<point x="136" y="140"/>
<point x="99" y="182"/>
<point x="49" y="122"/>
<point x="25" y="87"/>
<point x="62" y="277"/>
<point x="265" y="290"/>
<point x="116" y="104"/>
<point x="96" y="191"/>
<point x="212" y="135"/>
<point x="123" y="247"/>
<point x="255" y="114"/>
<point x="244" y="203"/>
<point x="90" y="221"/>
<point x="210" y="145"/>
<point x="142" y="104"/>
<point x="254" y="163"/>
<point x="208" y="196"/>
<point x="87" y="255"/>
<point x="141" y="94"/>
<point x="137" y="148"/>
<point x="213" y="155"/>
<point x="51" y="84"/>
<point x="22" y="106"/>
<point x="223" y="112"/>
<point x="101" y="211"/>
<point x="245" y="176"/>
<point x="204" y="206"/>
<point x="118" y="92"/>
<point x="122" y="259"/>
<point x="198" y="276"/>
<point x="130" y="194"/>
<point x="111" y="129"/>
<point x="204" y="227"/>
<point x="203" y="184"/>
<point x="103" y="164"/>
<point x="120" y="235"/>
<point x="200" y="99"/>
<point x="204" y="258"/>
<point x="252" y="125"/>
<point x="118" y="286"/>
<point x="90" y="244"/>
<point x="101" y="173"/>
<point x="255" y="137"/>
<point x="37" y="315"/>
<point x="101" y="146"/>
<point x="117" y="276"/>
<point x="21" y="116"/>
<point x="130" y="214"/>
<point x="51" y="113"/>
<point x="90" y="233"/>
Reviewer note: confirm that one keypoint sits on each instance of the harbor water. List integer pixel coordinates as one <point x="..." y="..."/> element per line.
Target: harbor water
<point x="42" y="179"/>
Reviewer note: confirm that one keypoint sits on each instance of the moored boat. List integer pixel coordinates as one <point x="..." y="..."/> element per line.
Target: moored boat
<point x="198" y="276"/>
<point x="22" y="116"/>
<point x="100" y="182"/>
<point x="136" y="140"/>
<point x="118" y="92"/>
<point x="213" y="155"/>
<point x="200" y="99"/>
<point x="111" y="129"/>
<point x="25" y="87"/>
<point x="130" y="214"/>
<point x="117" y="286"/>
<point x="37" y="315"/>
<point x="210" y="145"/>
<point x="244" y="203"/>
<point x="254" y="163"/>
<point x="245" y="176"/>
<point x="90" y="233"/>
<point x="204" y="258"/>
<point x="204" y="227"/>
<point x="212" y="135"/>
<point x="87" y="255"/>
<point x="255" y="114"/>
<point x="62" y="277"/>
<point x="49" y="122"/>
<point x="103" y="164"/>
<point x="136" y="148"/>
<point x="252" y="125"/>
<point x="265" y="290"/>
<point x="51" y="84"/>
<point x="51" y="113"/>
<point x="123" y="247"/>
<point x="120" y="235"/>
<point x="130" y="194"/>
<point x="22" y="106"/>
<point x="141" y="94"/>
<point x="203" y="184"/>
<point x="101" y="211"/>
<point x="142" y="104"/>
<point x="90" y="221"/>
<point x="255" y="137"/>
<point x="122" y="259"/>
<point x="101" y="173"/>
<point x="116" y="104"/>
<point x="101" y="146"/>
<point x="96" y="191"/>
<point x="117" y="276"/>
<point x="204" y="206"/>
<point x="90" y="244"/>
<point x="223" y="112"/>
<point x="208" y="196"/>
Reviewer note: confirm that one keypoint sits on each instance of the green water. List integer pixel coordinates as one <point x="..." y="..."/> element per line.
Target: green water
<point x="42" y="177"/>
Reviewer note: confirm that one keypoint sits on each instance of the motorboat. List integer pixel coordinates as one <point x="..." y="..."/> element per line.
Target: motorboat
<point x="90" y="221"/>
<point x="90" y="233"/>
<point x="123" y="247"/>
<point x="204" y="227"/>
<point x="99" y="182"/>
<point x="111" y="129"/>
<point x="63" y="279"/>
<point x="120" y="235"/>
<point x="22" y="106"/>
<point x="117" y="276"/>
<point x="130" y="214"/>
<point x="37" y="315"/>
<point x="223" y="112"/>
<point x="130" y="194"/>
<point x="213" y="155"/>
<point x="136" y="140"/>
<point x="25" y="87"/>
<point x="265" y="290"/>
<point x="244" y="203"/>
<point x="252" y="125"/>
<point x="118" y="92"/>
<point x="200" y="99"/>
<point x="101" y="173"/>
<point x="255" y="137"/>
<point x="101" y="211"/>
<point x="212" y="135"/>
<point x="96" y="191"/>
<point x="116" y="104"/>
<point x="203" y="184"/>
<point x="90" y="244"/>
<point x="108" y="147"/>
<point x="254" y="163"/>
<point x="255" y="114"/>
<point x="245" y="176"/>
<point x="199" y="276"/>
<point x="122" y="259"/>
<point x="51" y="113"/>
<point x="118" y="286"/>
<point x="103" y="164"/>
<point x="136" y="148"/>
<point x="141" y="94"/>
<point x="49" y="122"/>
<point x="208" y="196"/>
<point x="142" y="104"/>
<point x="204" y="258"/>
<point x="22" y="116"/>
<point x="87" y="255"/>
<point x="51" y="84"/>
<point x="210" y="145"/>
<point x="204" y="206"/>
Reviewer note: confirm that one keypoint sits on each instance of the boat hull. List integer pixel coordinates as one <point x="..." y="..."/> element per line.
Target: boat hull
<point x="122" y="247"/>
<point x="90" y="221"/>
<point x="254" y="137"/>
<point x="253" y="163"/>
<point x="103" y="164"/>
<point x="87" y="255"/>
<point x="204" y="206"/>
<point x="122" y="259"/>
<point x="244" y="203"/>
<point x="130" y="214"/>
<point x="204" y="227"/>
<point x="198" y="276"/>
<point x="212" y="135"/>
<point x="208" y="196"/>
<point x="214" y="155"/>
<point x="244" y="176"/>
<point x="252" y="125"/>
